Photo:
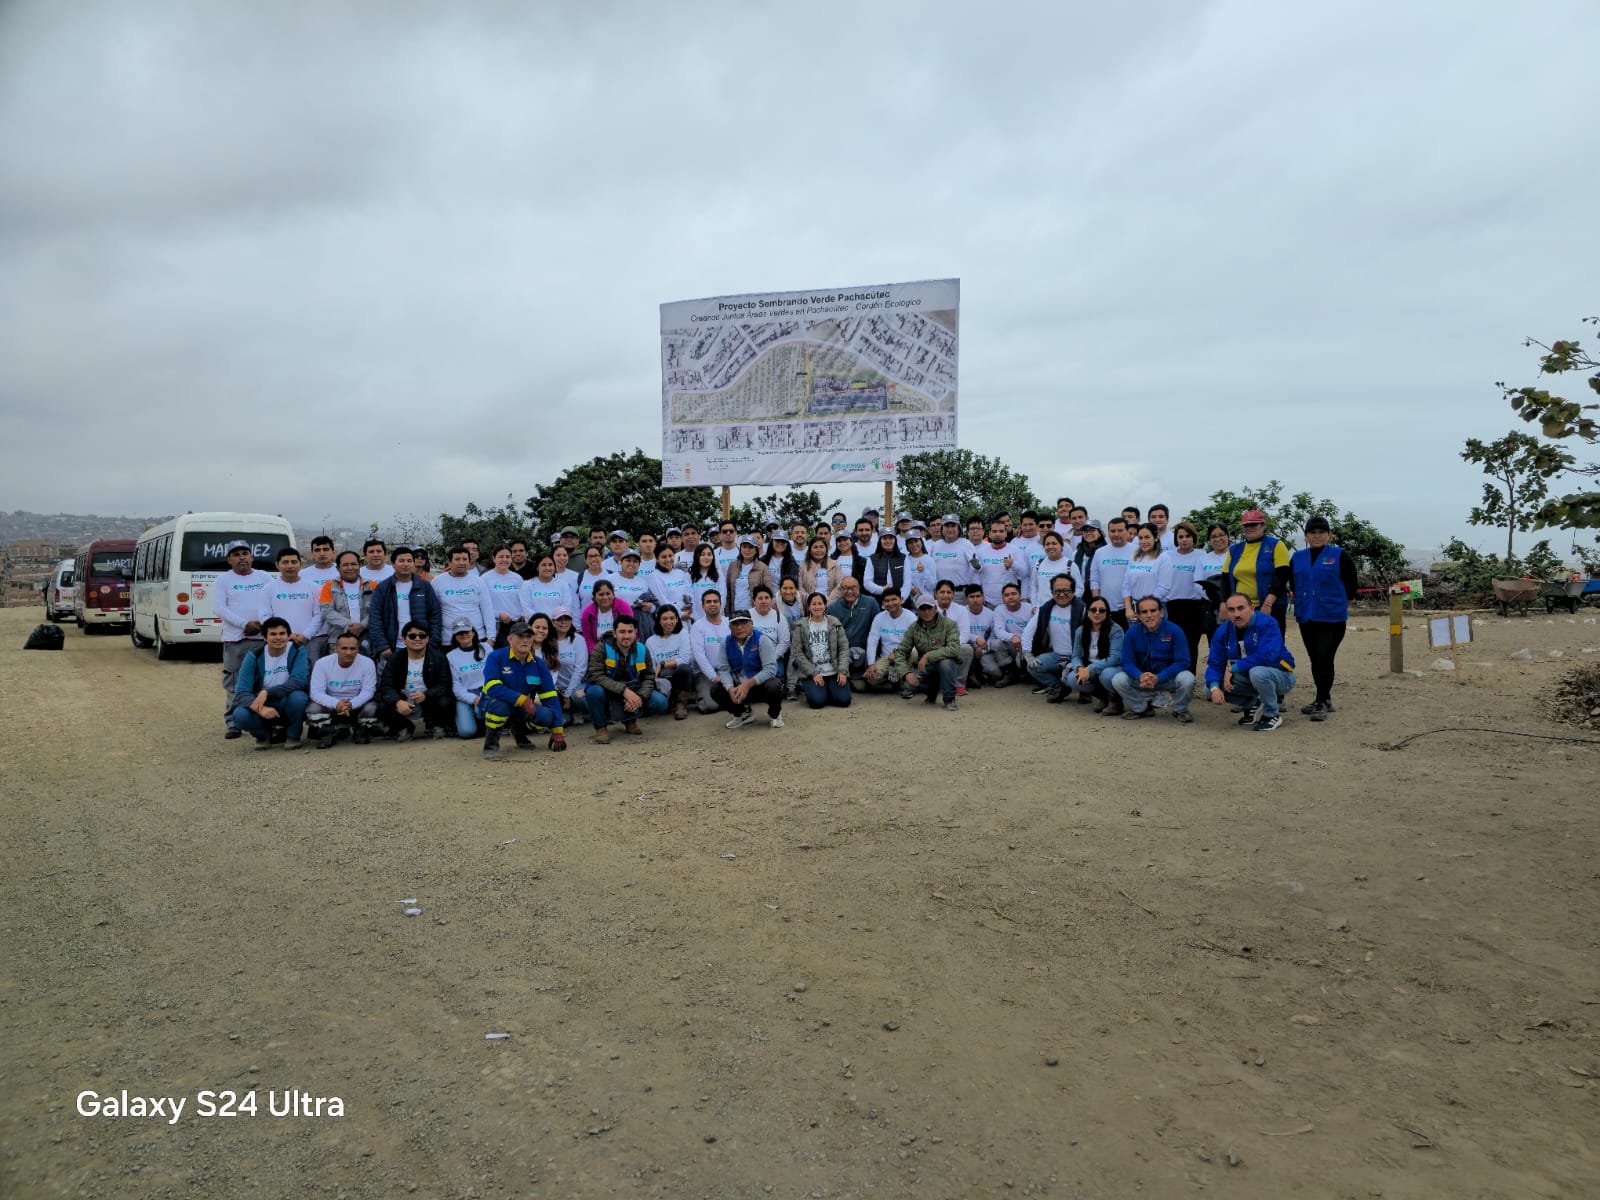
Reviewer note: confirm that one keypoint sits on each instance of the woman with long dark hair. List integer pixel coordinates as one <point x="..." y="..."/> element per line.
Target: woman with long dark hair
<point x="670" y="652"/>
<point x="703" y="577"/>
<point x="1097" y="649"/>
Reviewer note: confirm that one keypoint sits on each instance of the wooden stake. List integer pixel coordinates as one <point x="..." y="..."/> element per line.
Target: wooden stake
<point x="727" y="501"/>
<point x="1397" y="650"/>
<point x="888" y="504"/>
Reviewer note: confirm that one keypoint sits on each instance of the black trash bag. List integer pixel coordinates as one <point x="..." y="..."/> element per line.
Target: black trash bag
<point x="45" y="637"/>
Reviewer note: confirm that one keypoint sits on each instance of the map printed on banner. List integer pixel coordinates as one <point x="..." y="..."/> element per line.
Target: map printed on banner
<point x="825" y="386"/>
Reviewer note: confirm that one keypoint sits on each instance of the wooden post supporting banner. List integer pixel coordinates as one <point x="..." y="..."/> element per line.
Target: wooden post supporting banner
<point x="888" y="504"/>
<point x="1397" y="651"/>
<point x="727" y="501"/>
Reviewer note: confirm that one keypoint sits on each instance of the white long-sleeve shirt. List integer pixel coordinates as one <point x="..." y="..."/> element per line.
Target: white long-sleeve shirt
<point x="1047" y="569"/>
<point x="953" y="560"/>
<point x="1025" y="555"/>
<point x="774" y="626"/>
<point x="707" y="641"/>
<point x="1060" y="630"/>
<point x="1148" y="577"/>
<point x="1185" y="575"/>
<point x="672" y="587"/>
<point x="676" y="648"/>
<point x="922" y="576"/>
<point x="1011" y="623"/>
<point x="331" y="683"/>
<point x="466" y="675"/>
<point x="993" y="573"/>
<point x="979" y="625"/>
<point x="239" y="599"/>
<point x="630" y="590"/>
<point x="572" y="665"/>
<point x="885" y="632"/>
<point x="1107" y="570"/>
<point x="299" y="603"/>
<point x="505" y="594"/>
<point x="467" y="597"/>
<point x="541" y="597"/>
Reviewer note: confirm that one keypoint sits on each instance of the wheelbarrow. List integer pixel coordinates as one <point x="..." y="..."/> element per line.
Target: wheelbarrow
<point x="1516" y="591"/>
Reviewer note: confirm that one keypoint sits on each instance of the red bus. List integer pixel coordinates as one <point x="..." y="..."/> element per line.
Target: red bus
<point x="103" y="583"/>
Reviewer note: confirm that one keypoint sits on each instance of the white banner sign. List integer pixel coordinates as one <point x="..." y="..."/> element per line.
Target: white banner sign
<point x="826" y="386"/>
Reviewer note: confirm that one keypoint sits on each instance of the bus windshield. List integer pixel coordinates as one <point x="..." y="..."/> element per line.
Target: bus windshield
<point x="110" y="564"/>
<point x="204" y="550"/>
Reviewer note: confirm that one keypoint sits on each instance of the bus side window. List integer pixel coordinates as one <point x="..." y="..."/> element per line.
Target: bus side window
<point x="164" y="558"/>
<point x="140" y="558"/>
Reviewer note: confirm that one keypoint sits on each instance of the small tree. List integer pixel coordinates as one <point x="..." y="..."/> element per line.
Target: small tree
<point x="487" y="526"/>
<point x="621" y="490"/>
<point x="785" y="508"/>
<point x="1380" y="556"/>
<point x="959" y="481"/>
<point x="1559" y="419"/>
<point x="1518" y="483"/>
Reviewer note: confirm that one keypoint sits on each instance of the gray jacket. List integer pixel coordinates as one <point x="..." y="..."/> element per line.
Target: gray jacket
<point x="766" y="645"/>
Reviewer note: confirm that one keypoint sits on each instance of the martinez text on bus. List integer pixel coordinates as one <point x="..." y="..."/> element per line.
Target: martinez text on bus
<point x="101" y="575"/>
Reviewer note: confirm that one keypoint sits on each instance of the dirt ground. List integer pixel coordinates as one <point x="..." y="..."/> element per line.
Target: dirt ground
<point x="1265" y="965"/>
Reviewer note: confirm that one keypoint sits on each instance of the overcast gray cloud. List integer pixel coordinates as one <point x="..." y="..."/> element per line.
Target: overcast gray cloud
<point x="1200" y="245"/>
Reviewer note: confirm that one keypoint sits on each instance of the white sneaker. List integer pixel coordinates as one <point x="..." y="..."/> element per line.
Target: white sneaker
<point x="741" y="720"/>
<point x="775" y="722"/>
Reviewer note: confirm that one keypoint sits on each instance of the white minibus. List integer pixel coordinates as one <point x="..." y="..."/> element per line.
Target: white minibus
<point x="175" y="564"/>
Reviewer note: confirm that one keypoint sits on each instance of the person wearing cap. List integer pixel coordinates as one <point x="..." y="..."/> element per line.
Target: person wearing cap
<point x="572" y="664"/>
<point x="919" y="573"/>
<point x="569" y="538"/>
<point x="465" y="657"/>
<point x="519" y="692"/>
<point x="887" y="566"/>
<point x="617" y="545"/>
<point x="780" y="558"/>
<point x="952" y="553"/>
<point x="401" y="598"/>
<point x="743" y="574"/>
<point x="415" y="682"/>
<point x="1323" y="579"/>
<point x="1248" y="665"/>
<point x="633" y="589"/>
<point x="1258" y="567"/>
<point x="844" y="555"/>
<point x="749" y="674"/>
<point x="1091" y="536"/>
<point x="855" y="613"/>
<point x="1155" y="658"/>
<point x="621" y="681"/>
<point x="929" y="655"/>
<point x="239" y="601"/>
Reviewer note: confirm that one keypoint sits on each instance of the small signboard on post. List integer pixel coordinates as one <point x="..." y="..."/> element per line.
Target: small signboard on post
<point x="1448" y="632"/>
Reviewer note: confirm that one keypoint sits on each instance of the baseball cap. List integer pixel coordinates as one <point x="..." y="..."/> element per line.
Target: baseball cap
<point x="747" y="540"/>
<point x="1095" y="524"/>
<point x="460" y="625"/>
<point x="571" y="530"/>
<point x="738" y="614"/>
<point x="555" y="539"/>
<point x="632" y="552"/>
<point x="950" y="519"/>
<point x="1253" y="516"/>
<point x="561" y="610"/>
<point x="925" y="601"/>
<point x="618" y="533"/>
<point x="239" y="544"/>
<point x="671" y="529"/>
<point x="520" y="628"/>
<point x="1318" y="525"/>
<point x="903" y="515"/>
<point x="869" y="512"/>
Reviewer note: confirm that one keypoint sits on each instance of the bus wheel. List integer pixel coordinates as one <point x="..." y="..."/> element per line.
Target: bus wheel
<point x="165" y="650"/>
<point x="140" y="642"/>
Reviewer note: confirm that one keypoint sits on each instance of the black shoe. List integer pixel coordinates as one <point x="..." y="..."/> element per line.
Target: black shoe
<point x="437" y="732"/>
<point x="1307" y="709"/>
<point x="1247" y="715"/>
<point x="523" y="741"/>
<point x="360" y="737"/>
<point x="491" y="744"/>
<point x="1318" y="711"/>
<point x="278" y="737"/>
<point x="233" y="733"/>
<point x="1055" y="695"/>
<point x="1267" y="724"/>
<point x="1085" y="698"/>
<point x="1040" y="690"/>
<point x="325" y="740"/>
<point x="405" y="733"/>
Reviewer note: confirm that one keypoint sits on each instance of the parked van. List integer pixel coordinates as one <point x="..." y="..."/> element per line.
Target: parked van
<point x="59" y="602"/>
<point x="102" y="582"/>
<point x="175" y="565"/>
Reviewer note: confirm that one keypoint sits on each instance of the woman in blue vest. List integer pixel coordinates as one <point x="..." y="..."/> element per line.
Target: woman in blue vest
<point x="1323" y="579"/>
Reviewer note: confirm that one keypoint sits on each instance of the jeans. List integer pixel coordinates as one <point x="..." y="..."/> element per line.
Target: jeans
<point x="938" y="680"/>
<point x="291" y="716"/>
<point x="1266" y="685"/>
<point x="606" y="707"/>
<point x="434" y="713"/>
<point x="1137" y="699"/>
<point x="1050" y="669"/>
<point x="830" y="691"/>
<point x="466" y="719"/>
<point x="1322" y="640"/>
<point x="676" y="684"/>
<point x="497" y="714"/>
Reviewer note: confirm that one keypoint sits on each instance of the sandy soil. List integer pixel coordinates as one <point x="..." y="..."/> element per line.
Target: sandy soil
<point x="1266" y="965"/>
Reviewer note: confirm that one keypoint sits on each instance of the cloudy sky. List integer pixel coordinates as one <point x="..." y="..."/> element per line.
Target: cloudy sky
<point x="374" y="259"/>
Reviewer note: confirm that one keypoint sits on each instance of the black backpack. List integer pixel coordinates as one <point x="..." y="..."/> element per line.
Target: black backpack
<point x="45" y="637"/>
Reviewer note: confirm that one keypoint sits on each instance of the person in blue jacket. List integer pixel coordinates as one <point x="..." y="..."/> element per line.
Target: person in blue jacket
<point x="1155" y="658"/>
<point x="1249" y="666"/>
<point x="270" y="693"/>
<point x="519" y="690"/>
<point x="1323" y="579"/>
<point x="384" y="617"/>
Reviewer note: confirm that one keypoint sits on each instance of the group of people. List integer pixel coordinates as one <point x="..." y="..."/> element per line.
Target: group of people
<point x="610" y="629"/>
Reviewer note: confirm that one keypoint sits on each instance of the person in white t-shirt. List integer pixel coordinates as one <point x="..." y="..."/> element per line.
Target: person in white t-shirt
<point x="461" y="593"/>
<point x="466" y="657"/>
<point x="297" y="600"/>
<point x="239" y="601"/>
<point x="504" y="586"/>
<point x="1110" y="568"/>
<point x="375" y="569"/>
<point x="344" y="686"/>
<point x="324" y="567"/>
<point x="883" y="639"/>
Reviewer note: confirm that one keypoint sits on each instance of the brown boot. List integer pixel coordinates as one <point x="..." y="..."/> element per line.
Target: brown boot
<point x="680" y="710"/>
<point x="631" y="727"/>
<point x="602" y="735"/>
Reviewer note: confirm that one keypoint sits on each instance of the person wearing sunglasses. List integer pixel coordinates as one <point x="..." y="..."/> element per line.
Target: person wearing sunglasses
<point x="1096" y="648"/>
<point x="1048" y="638"/>
<point x="416" y="683"/>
